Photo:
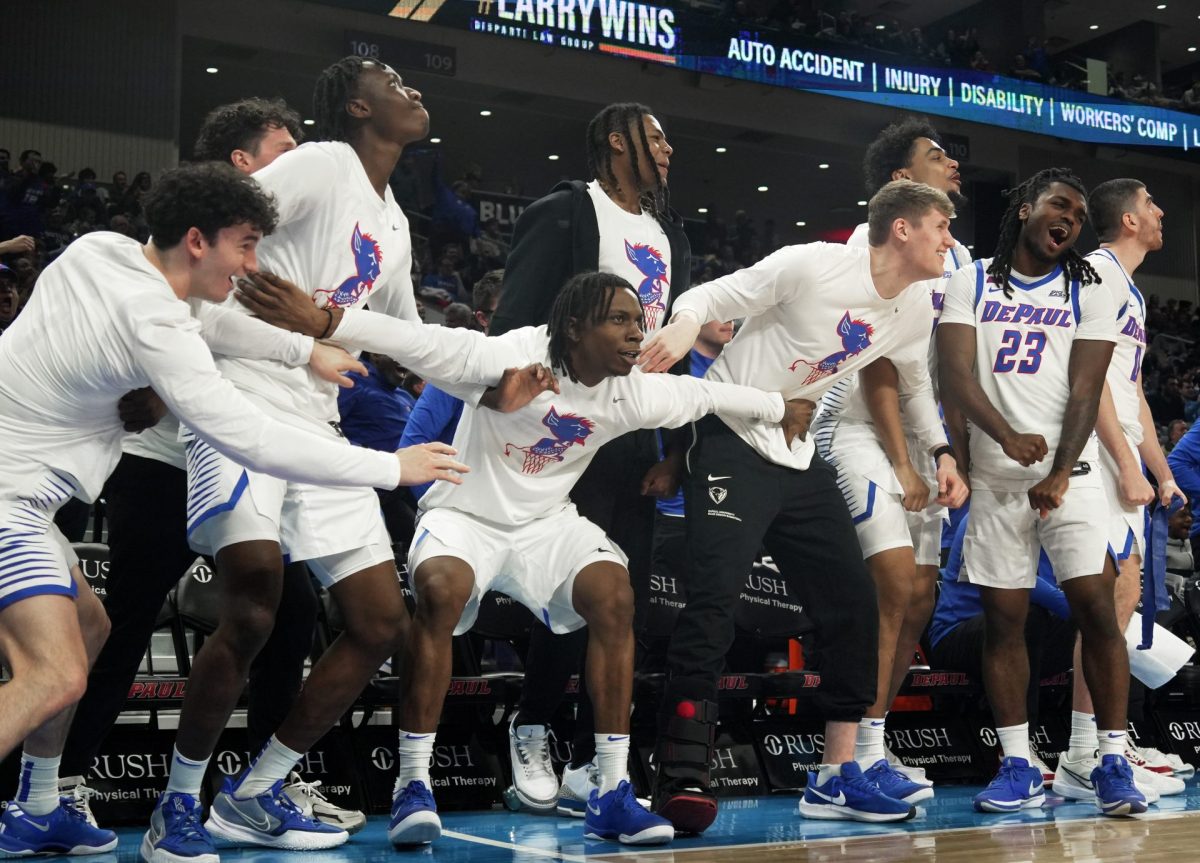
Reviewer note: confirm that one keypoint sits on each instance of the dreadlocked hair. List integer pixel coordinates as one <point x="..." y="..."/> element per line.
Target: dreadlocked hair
<point x="335" y="87"/>
<point x="585" y="300"/>
<point x="626" y="119"/>
<point x="1075" y="268"/>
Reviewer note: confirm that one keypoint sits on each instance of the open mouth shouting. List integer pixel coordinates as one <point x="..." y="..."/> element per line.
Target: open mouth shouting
<point x="1059" y="235"/>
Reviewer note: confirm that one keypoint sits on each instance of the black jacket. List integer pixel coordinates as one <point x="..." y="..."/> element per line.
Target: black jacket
<point x="556" y="237"/>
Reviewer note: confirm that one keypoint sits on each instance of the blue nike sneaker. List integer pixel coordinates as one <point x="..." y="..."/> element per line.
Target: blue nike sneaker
<point x="1016" y="786"/>
<point x="176" y="834"/>
<point x="618" y="817"/>
<point x="1116" y="793"/>
<point x="895" y="784"/>
<point x="269" y="819"/>
<point x="414" y="815"/>
<point x="851" y="797"/>
<point x="62" y="831"/>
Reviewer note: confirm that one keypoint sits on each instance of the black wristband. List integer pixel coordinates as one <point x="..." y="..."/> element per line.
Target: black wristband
<point x="328" y="326"/>
<point x="944" y="450"/>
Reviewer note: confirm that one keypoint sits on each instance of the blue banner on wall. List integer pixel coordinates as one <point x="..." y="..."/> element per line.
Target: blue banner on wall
<point x="689" y="39"/>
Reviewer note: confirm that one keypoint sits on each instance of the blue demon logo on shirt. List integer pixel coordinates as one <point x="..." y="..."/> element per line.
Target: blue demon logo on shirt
<point x="367" y="260"/>
<point x="856" y="338"/>
<point x="568" y="429"/>
<point x="653" y="268"/>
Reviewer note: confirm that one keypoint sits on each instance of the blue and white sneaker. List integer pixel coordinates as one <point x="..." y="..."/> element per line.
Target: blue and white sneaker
<point x="63" y="831"/>
<point x="1115" y="792"/>
<point x="617" y="816"/>
<point x="414" y="815"/>
<point x="895" y="784"/>
<point x="1017" y="786"/>
<point x="851" y="797"/>
<point x="269" y="819"/>
<point x="175" y="834"/>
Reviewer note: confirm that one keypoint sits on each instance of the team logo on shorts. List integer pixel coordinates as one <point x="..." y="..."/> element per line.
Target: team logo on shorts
<point x="717" y="494"/>
<point x="650" y="264"/>
<point x="856" y="338"/>
<point x="568" y="429"/>
<point x="367" y="260"/>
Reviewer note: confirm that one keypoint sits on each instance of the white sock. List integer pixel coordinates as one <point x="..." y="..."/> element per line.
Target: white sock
<point x="37" y="789"/>
<point x="1083" y="736"/>
<point x="186" y="775"/>
<point x="1014" y="740"/>
<point x="415" y="752"/>
<point x="868" y="742"/>
<point x="273" y="764"/>
<point x="825" y="772"/>
<point x="1112" y="743"/>
<point x="612" y="760"/>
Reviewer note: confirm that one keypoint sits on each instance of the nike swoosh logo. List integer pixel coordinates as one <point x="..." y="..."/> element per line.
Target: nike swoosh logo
<point x="35" y="825"/>
<point x="876" y="724"/>
<point x="615" y="400"/>
<point x="712" y="478"/>
<point x="1115" y="735"/>
<point x="839" y="800"/>
<point x="415" y="736"/>
<point x="593" y="809"/>
<point x="1085" y="781"/>
<point x="618" y="737"/>
<point x="994" y="288"/>
<point x="265" y="826"/>
<point x="1034" y="788"/>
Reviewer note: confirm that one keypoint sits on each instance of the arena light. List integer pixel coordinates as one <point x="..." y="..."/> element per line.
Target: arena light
<point x="702" y="210"/>
<point x="552" y="157"/>
<point x="862" y="203"/>
<point x="801" y="224"/>
<point x="824" y="166"/>
<point x="212" y="70"/>
<point x="1192" y="50"/>
<point x="485" y="113"/>
<point x="721" y="150"/>
<point x="1161" y="6"/>
<point x="435" y="140"/>
<point x="1094" y="27"/>
<point x="310" y="122"/>
<point x="762" y="188"/>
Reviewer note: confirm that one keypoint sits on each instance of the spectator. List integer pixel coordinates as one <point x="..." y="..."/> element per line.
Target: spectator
<point x="1021" y="69"/>
<point x="10" y="298"/>
<point x="1191" y="98"/>
<point x="1176" y="429"/>
<point x="459" y="315"/>
<point x="490" y="246"/>
<point x="26" y="193"/>
<point x="446" y="281"/>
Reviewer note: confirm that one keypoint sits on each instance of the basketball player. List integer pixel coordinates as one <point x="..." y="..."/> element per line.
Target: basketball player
<point x="897" y="480"/>
<point x="146" y="509"/>
<point x="814" y="314"/>
<point x="1129" y="225"/>
<point x="1024" y="343"/>
<point x="109" y="316"/>
<point x="538" y="549"/>
<point x="619" y="222"/>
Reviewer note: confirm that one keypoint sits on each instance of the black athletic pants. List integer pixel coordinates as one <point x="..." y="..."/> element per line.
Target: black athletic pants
<point x="148" y="553"/>
<point x="609" y="494"/>
<point x="1049" y="640"/>
<point x="738" y="502"/>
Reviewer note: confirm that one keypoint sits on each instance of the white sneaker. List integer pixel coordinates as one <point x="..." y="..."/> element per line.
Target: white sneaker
<point x="78" y="796"/>
<point x="1162" y="762"/>
<point x="1073" y="779"/>
<point x="1038" y="764"/>
<point x="1164" y="783"/>
<point x="314" y="804"/>
<point x="577" y="786"/>
<point x="533" y="772"/>
<point x="912" y="774"/>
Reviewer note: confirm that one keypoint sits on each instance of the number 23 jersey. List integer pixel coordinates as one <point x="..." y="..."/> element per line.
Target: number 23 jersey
<point x="1022" y="352"/>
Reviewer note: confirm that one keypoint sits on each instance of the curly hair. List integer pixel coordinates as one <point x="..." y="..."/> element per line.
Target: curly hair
<point x="1109" y="201"/>
<point x="586" y="299"/>
<point x="336" y="86"/>
<point x="893" y="149"/>
<point x="209" y="196"/>
<point x="626" y="119"/>
<point x="1075" y="268"/>
<point x="241" y="126"/>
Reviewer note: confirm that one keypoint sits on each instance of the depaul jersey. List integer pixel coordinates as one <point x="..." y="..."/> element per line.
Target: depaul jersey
<point x="813" y="316"/>
<point x="524" y="463"/>
<point x="1022" y="350"/>
<point x="341" y="242"/>
<point x="1127" y="356"/>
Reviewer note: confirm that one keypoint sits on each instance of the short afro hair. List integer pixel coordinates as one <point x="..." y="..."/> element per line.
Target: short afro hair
<point x="241" y="126"/>
<point x="208" y="196"/>
<point x="892" y="150"/>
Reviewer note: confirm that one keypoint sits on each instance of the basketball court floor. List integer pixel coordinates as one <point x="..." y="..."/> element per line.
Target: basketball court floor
<point x="768" y="830"/>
